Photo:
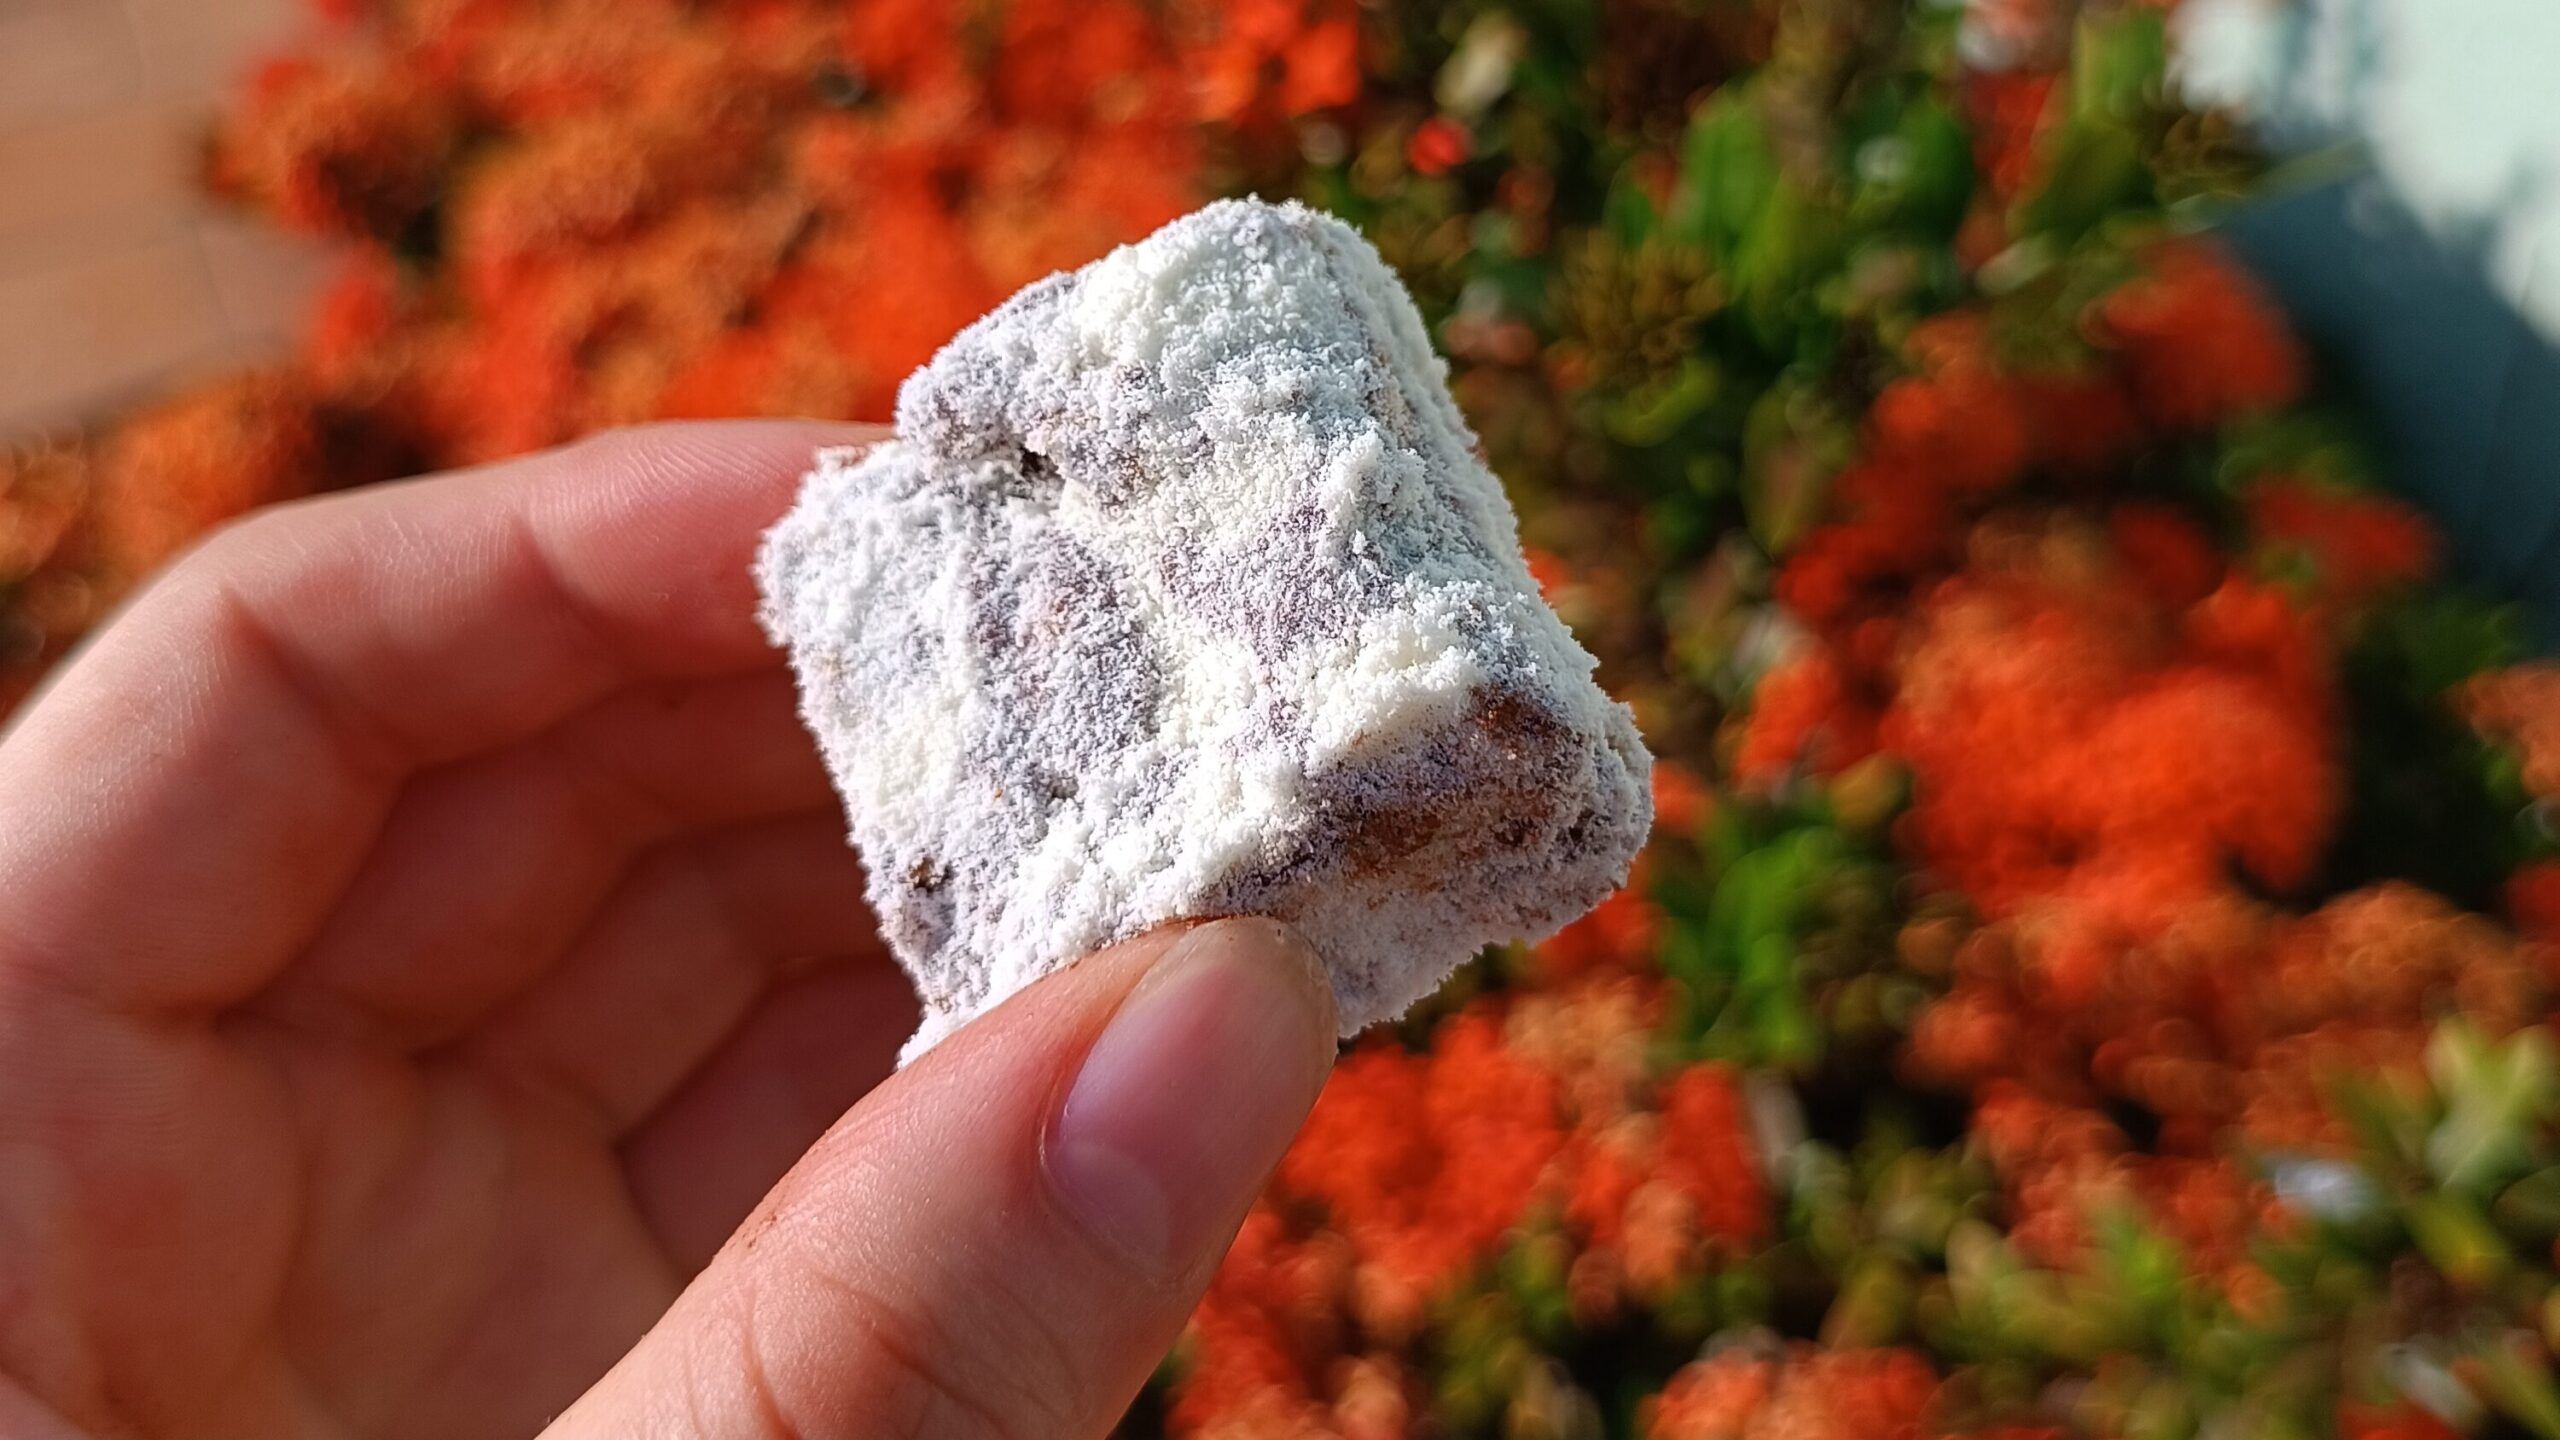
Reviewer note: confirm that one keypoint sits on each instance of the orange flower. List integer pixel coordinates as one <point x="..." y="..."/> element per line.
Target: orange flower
<point x="1425" y="1162"/>
<point x="174" y="472"/>
<point x="1323" y="67"/>
<point x="2203" y="345"/>
<point x="353" y="318"/>
<point x="909" y="46"/>
<point x="1800" y="714"/>
<point x="2060" y="743"/>
<point x="1617" y="936"/>
<point x="1681" y="801"/>
<point x="2520" y="706"/>
<point x="2082" y="423"/>
<point x="1895" y="521"/>
<point x="1084" y="63"/>
<point x="1708" y="1155"/>
<point x="343" y="149"/>
<point x="1237" y="49"/>
<point x="1607" y="1166"/>
<point x="2168" y="553"/>
<point x="1548" y="570"/>
<point x="1437" y="146"/>
<point x="1804" y="1394"/>
<point x="2391" y="1422"/>
<point x="2008" y="110"/>
<point x="2357" y="545"/>
<point x="1962" y="426"/>
<point x="2533" y="901"/>
<point x="48" y="591"/>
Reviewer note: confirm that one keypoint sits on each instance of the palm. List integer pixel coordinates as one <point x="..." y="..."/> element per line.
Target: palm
<point x="411" y="995"/>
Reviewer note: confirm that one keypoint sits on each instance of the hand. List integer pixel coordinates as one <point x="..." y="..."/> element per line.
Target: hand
<point x="426" y="934"/>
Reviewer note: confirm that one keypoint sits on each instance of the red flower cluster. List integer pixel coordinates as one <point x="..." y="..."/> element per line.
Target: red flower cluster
<point x="1264" y="60"/>
<point x="2352" y="546"/>
<point x="1537" y="1113"/>
<point x="2198" y="341"/>
<point x="44" y="556"/>
<point x="2232" y="1023"/>
<point x="2520" y="707"/>
<point x="351" y="150"/>
<point x="668" y="210"/>
<point x="2185" y="345"/>
<point x="1801" y="718"/>
<point x="568" y="214"/>
<point x="174" y="472"/>
<point x="2008" y="110"/>
<point x="2093" y="712"/>
<point x="2533" y="900"/>
<point x="687" y="210"/>
<point x="2075" y="741"/>
<point x="2068" y="1169"/>
<point x="2391" y="1422"/>
<point x="1424" y="1161"/>
<point x="1800" y="1393"/>
<point x="2118" y="742"/>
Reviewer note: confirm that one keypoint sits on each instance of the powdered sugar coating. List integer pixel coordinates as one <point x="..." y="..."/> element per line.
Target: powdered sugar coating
<point x="1182" y="593"/>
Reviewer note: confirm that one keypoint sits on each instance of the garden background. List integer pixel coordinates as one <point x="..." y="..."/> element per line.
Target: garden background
<point x="2095" y="970"/>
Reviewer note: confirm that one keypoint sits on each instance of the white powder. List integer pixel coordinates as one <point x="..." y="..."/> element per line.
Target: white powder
<point x="1180" y="594"/>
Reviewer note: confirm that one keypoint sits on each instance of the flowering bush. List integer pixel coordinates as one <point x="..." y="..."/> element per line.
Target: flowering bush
<point x="2095" y="969"/>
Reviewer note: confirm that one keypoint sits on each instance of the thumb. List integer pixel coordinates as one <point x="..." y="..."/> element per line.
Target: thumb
<point x="1003" y="1239"/>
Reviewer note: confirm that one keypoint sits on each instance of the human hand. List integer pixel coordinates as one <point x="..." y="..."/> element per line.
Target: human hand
<point x="426" y="934"/>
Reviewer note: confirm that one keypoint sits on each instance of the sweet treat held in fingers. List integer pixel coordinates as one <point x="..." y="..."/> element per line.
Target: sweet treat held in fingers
<point x="1183" y="593"/>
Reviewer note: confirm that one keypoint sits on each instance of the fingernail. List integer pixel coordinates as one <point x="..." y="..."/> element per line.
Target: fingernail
<point x="1192" y="1092"/>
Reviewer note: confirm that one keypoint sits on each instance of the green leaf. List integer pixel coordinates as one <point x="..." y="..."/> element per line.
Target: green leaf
<point x="2097" y="170"/>
<point x="2392" y="1126"/>
<point x="2436" y="640"/>
<point x="1797" y="238"/>
<point x="1917" y="174"/>
<point x="1728" y="173"/>
<point x="2458" y="1241"/>
<point x="2119" y="63"/>
<point x="2517" y="1376"/>
<point x="2426" y="802"/>
<point x="1655" y="413"/>
<point x="1793" y="441"/>
<point x="2531" y="1207"/>
<point x="2496" y="1095"/>
<point x="1873" y="1306"/>
<point x="1628" y="214"/>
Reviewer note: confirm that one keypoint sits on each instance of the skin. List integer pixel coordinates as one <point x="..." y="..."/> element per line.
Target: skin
<point x="426" y="935"/>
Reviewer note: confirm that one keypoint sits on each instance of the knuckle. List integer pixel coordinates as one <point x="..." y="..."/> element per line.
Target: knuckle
<point x="729" y="1383"/>
<point x="910" y="1386"/>
<point x="227" y="546"/>
<point x="997" y="1370"/>
<point x="206" y="571"/>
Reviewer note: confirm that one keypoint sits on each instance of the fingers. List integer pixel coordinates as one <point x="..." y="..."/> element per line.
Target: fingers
<point x="27" y="1418"/>
<point x="676" y="960"/>
<point x="1003" y="1239"/>
<point x="189" y="795"/>
<point x="490" y="868"/>
<point x="815" y="1044"/>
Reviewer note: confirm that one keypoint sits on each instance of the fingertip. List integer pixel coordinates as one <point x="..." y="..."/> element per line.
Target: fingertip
<point x="1296" y="955"/>
<point x="1184" y="1103"/>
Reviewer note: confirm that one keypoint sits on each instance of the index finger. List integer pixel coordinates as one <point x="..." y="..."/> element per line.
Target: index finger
<point x="186" y="799"/>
